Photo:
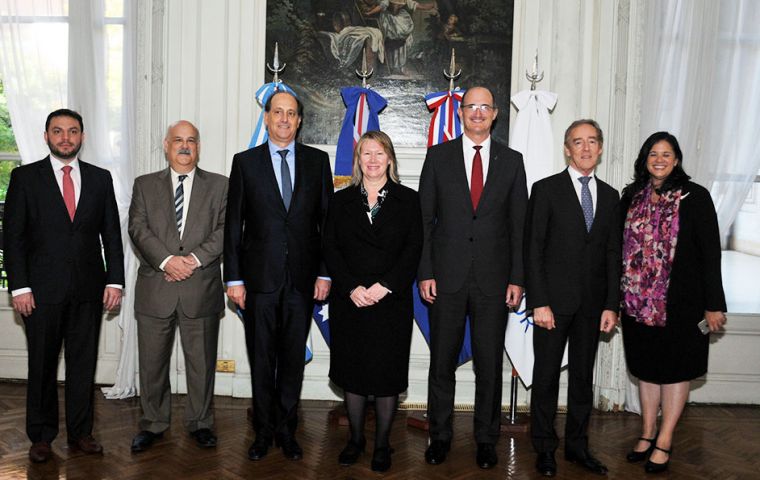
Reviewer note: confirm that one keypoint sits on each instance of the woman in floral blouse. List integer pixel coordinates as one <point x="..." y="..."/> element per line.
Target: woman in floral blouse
<point x="671" y="282"/>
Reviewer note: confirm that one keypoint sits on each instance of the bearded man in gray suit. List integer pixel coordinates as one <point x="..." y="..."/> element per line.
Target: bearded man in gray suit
<point x="176" y="222"/>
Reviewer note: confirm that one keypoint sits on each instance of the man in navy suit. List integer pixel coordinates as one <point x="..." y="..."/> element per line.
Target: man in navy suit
<point x="60" y="220"/>
<point x="473" y="197"/>
<point x="276" y="206"/>
<point x="573" y="263"/>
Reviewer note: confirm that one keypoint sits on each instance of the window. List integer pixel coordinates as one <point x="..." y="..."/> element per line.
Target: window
<point x="9" y="159"/>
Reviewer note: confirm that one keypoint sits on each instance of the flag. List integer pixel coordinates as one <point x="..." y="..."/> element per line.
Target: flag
<point x="532" y="136"/>
<point x="445" y="124"/>
<point x="262" y="95"/>
<point x="321" y="317"/>
<point x="362" y="108"/>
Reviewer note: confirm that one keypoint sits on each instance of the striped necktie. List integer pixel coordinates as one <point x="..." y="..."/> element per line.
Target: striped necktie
<point x="179" y="201"/>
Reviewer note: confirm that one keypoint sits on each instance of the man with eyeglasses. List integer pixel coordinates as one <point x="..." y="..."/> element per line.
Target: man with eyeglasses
<point x="473" y="195"/>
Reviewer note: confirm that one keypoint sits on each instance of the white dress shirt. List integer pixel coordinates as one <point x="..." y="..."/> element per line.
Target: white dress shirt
<point x="469" y="155"/>
<point x="575" y="175"/>
<point x="187" y="188"/>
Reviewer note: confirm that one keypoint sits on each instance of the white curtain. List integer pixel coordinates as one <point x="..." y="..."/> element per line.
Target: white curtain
<point x="702" y="84"/>
<point x="58" y="54"/>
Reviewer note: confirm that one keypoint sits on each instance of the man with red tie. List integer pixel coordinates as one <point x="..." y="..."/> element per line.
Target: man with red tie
<point x="473" y="196"/>
<point x="65" y="263"/>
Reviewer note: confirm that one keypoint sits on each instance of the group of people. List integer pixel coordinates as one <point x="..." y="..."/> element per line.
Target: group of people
<point x="471" y="237"/>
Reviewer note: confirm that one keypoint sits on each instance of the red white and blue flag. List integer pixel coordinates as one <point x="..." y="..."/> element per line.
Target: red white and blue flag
<point x="445" y="124"/>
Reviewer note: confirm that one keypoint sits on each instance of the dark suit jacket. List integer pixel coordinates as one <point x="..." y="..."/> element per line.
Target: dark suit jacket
<point x="567" y="268"/>
<point x="261" y="238"/>
<point x="153" y="229"/>
<point x="46" y="251"/>
<point x="455" y="237"/>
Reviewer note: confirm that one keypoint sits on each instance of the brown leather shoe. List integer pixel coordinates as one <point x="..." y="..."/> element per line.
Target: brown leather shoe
<point x="40" y="452"/>
<point x="87" y="445"/>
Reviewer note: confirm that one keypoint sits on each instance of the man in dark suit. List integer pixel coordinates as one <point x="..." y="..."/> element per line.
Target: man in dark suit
<point x="57" y="212"/>
<point x="473" y="196"/>
<point x="572" y="257"/>
<point x="176" y="222"/>
<point x="277" y="203"/>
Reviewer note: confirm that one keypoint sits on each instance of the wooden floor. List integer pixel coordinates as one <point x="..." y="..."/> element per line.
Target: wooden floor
<point x="712" y="442"/>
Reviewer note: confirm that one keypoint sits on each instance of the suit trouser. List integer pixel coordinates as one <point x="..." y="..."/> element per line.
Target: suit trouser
<point x="488" y="322"/>
<point x="276" y="328"/>
<point x="76" y="325"/>
<point x="155" y="339"/>
<point x="582" y="334"/>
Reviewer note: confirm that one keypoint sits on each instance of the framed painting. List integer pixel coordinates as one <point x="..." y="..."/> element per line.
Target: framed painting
<point x="408" y="46"/>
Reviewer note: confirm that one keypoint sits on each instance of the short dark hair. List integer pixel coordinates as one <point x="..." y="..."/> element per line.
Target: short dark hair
<point x="268" y="103"/>
<point x="585" y="121"/>
<point x="64" y="112"/>
<point x="641" y="176"/>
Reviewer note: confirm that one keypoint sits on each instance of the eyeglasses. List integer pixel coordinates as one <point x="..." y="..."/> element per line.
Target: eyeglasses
<point x="483" y="108"/>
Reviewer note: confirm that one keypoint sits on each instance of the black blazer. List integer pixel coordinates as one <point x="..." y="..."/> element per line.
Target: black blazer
<point x="51" y="254"/>
<point x="358" y="252"/>
<point x="569" y="269"/>
<point x="261" y="238"/>
<point x="455" y="237"/>
<point x="696" y="282"/>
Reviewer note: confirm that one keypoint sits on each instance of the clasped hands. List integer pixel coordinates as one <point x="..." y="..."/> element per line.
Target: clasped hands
<point x="365" y="297"/>
<point x="179" y="268"/>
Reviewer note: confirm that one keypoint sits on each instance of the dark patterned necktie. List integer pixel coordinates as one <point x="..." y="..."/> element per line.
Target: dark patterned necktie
<point x="179" y="201"/>
<point x="586" y="203"/>
<point x="287" y="184"/>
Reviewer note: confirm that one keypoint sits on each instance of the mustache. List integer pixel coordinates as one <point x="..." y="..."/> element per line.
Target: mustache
<point x="184" y="151"/>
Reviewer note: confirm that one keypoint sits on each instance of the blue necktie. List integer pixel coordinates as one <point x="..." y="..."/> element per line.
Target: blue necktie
<point x="287" y="184"/>
<point x="179" y="201"/>
<point x="586" y="203"/>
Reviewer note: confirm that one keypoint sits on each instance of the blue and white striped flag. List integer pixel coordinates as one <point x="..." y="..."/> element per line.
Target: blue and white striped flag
<point x="260" y="134"/>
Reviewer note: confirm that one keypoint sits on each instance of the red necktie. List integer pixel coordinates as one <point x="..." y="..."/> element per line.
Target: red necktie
<point x="476" y="179"/>
<point x="68" y="192"/>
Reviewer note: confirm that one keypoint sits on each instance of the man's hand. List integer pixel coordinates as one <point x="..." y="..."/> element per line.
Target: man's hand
<point x="361" y="297"/>
<point x="178" y="269"/>
<point x="24" y="304"/>
<point x="543" y="317"/>
<point x="377" y="292"/>
<point x="609" y="320"/>
<point x="514" y="295"/>
<point x="111" y="298"/>
<point x="321" y="289"/>
<point x="428" y="290"/>
<point x="236" y="293"/>
<point x="715" y="320"/>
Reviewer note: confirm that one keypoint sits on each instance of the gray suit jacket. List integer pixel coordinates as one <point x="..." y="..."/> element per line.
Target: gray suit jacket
<point x="456" y="237"/>
<point x="153" y="229"/>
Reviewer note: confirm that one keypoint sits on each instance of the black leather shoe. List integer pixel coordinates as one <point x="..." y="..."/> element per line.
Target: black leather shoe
<point x="204" y="437"/>
<point x="546" y="465"/>
<point x="144" y="440"/>
<point x="259" y="449"/>
<point x="651" y="467"/>
<point x="381" y="459"/>
<point x="634" y="457"/>
<point x="436" y="452"/>
<point x="40" y="452"/>
<point x="587" y="461"/>
<point x="486" y="457"/>
<point x="290" y="448"/>
<point x="351" y="453"/>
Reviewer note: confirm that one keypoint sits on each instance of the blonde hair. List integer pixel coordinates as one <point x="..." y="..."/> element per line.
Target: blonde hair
<point x="385" y="141"/>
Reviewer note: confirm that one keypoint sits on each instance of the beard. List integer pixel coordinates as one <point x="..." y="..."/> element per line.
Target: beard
<point x="65" y="156"/>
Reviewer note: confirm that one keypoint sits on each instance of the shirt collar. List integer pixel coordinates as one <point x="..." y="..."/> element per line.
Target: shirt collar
<point x="273" y="149"/>
<point x="468" y="143"/>
<point x="57" y="163"/>
<point x="175" y="175"/>
<point x="575" y="174"/>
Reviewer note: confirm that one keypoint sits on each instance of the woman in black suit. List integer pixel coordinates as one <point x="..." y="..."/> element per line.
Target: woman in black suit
<point x="671" y="281"/>
<point x="372" y="245"/>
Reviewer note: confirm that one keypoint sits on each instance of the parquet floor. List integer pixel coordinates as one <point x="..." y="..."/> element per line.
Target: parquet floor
<point x="712" y="443"/>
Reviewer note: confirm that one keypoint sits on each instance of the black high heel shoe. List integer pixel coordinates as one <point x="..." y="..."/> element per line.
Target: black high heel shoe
<point x="352" y="452"/>
<point x="651" y="467"/>
<point x="634" y="457"/>
<point x="381" y="459"/>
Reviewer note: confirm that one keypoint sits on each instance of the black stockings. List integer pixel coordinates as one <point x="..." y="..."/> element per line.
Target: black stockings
<point x="385" y="410"/>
